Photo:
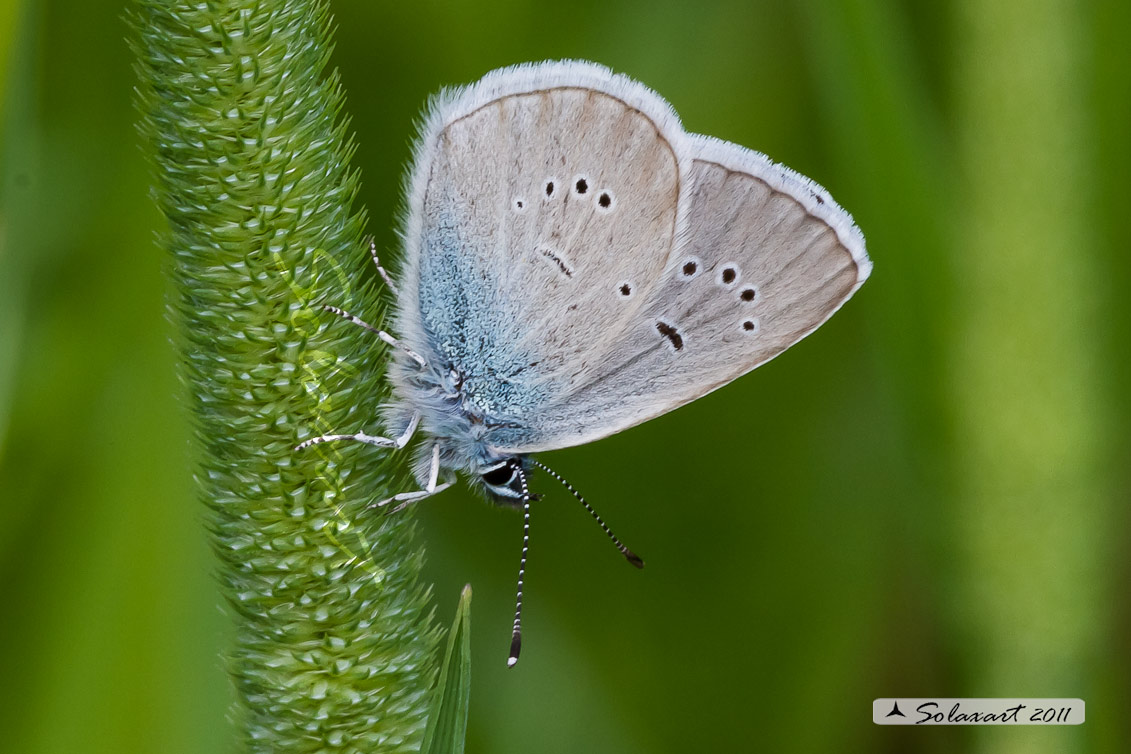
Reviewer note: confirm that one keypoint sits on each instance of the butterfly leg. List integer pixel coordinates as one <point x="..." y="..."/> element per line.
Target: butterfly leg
<point x="381" y="270"/>
<point x="406" y="499"/>
<point x="396" y="443"/>
<point x="380" y="333"/>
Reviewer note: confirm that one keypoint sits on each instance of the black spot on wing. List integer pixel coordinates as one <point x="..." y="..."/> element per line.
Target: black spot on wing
<point x="562" y="266"/>
<point x="671" y="334"/>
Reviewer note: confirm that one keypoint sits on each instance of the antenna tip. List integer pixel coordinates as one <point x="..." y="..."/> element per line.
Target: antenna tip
<point x="633" y="558"/>
<point x="516" y="647"/>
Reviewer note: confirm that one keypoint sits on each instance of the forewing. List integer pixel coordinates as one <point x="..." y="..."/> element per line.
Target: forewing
<point x="543" y="210"/>
<point x="765" y="258"/>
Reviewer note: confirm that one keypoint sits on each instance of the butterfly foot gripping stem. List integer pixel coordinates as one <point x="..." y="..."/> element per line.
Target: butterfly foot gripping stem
<point x="405" y="499"/>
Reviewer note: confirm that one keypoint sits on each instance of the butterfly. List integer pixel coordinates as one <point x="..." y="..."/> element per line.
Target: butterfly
<point x="575" y="264"/>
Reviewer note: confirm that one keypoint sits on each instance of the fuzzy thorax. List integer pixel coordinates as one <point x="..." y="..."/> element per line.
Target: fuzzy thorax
<point x="449" y="418"/>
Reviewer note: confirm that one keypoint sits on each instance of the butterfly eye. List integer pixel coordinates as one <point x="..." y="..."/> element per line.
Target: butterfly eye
<point x="500" y="476"/>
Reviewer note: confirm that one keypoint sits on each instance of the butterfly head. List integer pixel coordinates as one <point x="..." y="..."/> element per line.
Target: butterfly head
<point x="504" y="482"/>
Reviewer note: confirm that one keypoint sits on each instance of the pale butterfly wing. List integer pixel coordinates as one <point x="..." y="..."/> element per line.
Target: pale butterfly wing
<point x="543" y="209"/>
<point x="571" y="318"/>
<point x="767" y="256"/>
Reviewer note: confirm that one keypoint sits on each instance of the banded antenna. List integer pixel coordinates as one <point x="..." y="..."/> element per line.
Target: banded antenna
<point x="516" y="634"/>
<point x="630" y="556"/>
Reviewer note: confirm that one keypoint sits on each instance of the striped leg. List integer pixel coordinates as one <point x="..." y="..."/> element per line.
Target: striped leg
<point x="381" y="270"/>
<point x="406" y="499"/>
<point x="381" y="442"/>
<point x="380" y="333"/>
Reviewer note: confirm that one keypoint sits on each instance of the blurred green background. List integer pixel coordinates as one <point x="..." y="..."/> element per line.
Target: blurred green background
<point x="926" y="497"/>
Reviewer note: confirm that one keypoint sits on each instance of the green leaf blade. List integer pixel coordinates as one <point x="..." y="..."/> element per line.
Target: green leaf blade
<point x="447" y="719"/>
